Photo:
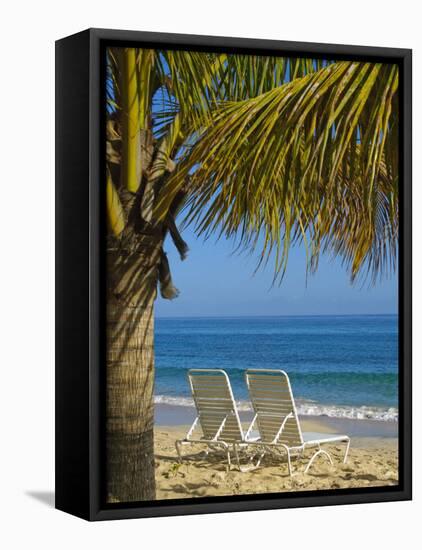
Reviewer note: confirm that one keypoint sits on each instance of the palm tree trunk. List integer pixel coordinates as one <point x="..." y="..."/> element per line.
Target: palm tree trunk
<point x="130" y="468"/>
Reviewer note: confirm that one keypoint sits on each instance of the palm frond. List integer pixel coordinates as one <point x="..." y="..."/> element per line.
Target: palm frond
<point x="294" y="162"/>
<point x="276" y="150"/>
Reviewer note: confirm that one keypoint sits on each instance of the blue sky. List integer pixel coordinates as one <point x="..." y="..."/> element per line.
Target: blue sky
<point x="214" y="282"/>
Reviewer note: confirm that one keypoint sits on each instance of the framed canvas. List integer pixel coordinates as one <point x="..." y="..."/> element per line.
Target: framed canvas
<point x="281" y="375"/>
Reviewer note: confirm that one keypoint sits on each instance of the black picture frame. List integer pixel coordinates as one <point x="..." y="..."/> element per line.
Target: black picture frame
<point x="80" y="276"/>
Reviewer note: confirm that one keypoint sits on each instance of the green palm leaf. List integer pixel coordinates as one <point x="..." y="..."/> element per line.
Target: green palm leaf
<point x="292" y="162"/>
<point x="267" y="150"/>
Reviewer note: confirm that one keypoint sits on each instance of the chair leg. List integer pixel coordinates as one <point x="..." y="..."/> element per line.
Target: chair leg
<point x="229" y="462"/>
<point x="247" y="468"/>
<point x="346" y="453"/>
<point x="179" y="454"/>
<point x="289" y="462"/>
<point x="317" y="453"/>
<point x="258" y="462"/>
<point x="226" y="448"/>
<point x="236" y="455"/>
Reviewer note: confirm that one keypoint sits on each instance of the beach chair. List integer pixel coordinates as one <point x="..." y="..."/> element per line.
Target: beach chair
<point x="217" y="417"/>
<point x="277" y="421"/>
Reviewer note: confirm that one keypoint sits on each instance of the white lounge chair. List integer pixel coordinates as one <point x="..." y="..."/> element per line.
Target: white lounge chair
<point x="277" y="420"/>
<point x="217" y="416"/>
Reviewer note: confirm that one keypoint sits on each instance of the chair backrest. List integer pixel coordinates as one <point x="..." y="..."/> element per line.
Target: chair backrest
<point x="272" y="399"/>
<point x="214" y="401"/>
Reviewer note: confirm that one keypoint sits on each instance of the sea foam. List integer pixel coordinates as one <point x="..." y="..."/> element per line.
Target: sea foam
<point x="305" y="408"/>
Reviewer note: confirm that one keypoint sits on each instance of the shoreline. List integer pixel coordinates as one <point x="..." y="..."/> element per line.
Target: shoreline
<point x="180" y="416"/>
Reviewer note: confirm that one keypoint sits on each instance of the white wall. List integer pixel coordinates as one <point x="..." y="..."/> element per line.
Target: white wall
<point x="27" y="37"/>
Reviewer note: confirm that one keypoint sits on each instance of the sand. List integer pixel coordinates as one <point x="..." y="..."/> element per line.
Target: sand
<point x="372" y="462"/>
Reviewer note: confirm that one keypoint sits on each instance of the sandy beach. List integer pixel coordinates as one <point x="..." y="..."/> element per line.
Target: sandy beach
<point x="373" y="461"/>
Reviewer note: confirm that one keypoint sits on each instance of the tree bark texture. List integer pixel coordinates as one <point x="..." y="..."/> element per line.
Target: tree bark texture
<point x="132" y="283"/>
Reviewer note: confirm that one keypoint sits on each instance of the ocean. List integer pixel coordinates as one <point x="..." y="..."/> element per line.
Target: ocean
<point x="339" y="366"/>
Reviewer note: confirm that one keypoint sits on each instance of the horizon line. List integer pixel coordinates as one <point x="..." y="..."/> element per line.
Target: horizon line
<point x="277" y="315"/>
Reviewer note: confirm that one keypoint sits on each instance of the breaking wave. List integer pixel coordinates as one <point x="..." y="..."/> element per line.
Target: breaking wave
<point x="305" y="408"/>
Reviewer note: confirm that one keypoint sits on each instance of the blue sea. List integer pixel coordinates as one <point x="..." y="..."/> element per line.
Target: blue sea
<point x="339" y="366"/>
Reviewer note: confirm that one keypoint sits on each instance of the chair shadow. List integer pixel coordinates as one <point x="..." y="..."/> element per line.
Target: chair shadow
<point x="45" y="497"/>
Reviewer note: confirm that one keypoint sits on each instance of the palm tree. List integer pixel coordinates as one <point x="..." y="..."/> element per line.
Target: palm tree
<point x="269" y="151"/>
